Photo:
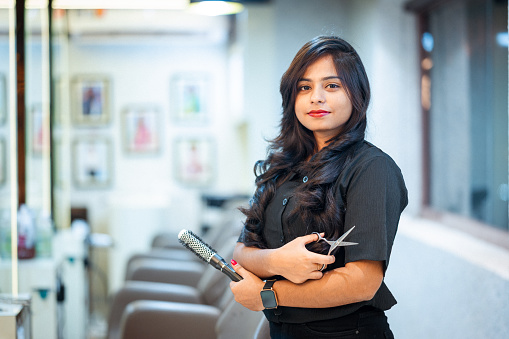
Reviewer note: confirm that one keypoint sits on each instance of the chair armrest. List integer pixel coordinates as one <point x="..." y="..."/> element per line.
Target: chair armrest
<point x="166" y="240"/>
<point x="143" y="290"/>
<point x="166" y="271"/>
<point x="167" y="320"/>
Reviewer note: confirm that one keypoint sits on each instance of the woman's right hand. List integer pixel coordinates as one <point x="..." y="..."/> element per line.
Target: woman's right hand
<point x="296" y="263"/>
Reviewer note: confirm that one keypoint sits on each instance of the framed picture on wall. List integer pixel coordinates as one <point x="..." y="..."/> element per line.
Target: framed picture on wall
<point x="3" y="162"/>
<point x="194" y="161"/>
<point x="90" y="100"/>
<point x="141" y="129"/>
<point x="189" y="98"/>
<point x="3" y="100"/>
<point x="92" y="163"/>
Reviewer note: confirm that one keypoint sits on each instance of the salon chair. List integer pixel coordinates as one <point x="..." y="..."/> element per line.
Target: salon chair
<point x="211" y="289"/>
<point x="169" y="269"/>
<point x="230" y="223"/>
<point x="155" y="264"/>
<point x="167" y="320"/>
<point x="167" y="246"/>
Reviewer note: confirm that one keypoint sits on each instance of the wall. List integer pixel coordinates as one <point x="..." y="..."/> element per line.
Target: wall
<point x="448" y="284"/>
<point x="141" y="74"/>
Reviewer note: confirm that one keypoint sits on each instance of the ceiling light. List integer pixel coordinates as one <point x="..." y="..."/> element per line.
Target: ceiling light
<point x="7" y="4"/>
<point x="214" y="8"/>
<point x="121" y="4"/>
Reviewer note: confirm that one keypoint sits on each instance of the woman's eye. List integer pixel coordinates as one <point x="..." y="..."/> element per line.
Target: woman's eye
<point x="304" y="88"/>
<point x="333" y="86"/>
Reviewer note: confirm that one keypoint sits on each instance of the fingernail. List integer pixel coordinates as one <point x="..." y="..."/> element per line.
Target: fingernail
<point x="233" y="262"/>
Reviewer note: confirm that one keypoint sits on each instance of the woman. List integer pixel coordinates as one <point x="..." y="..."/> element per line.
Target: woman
<point x="321" y="176"/>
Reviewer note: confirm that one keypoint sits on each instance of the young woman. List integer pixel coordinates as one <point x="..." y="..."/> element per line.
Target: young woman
<point x="321" y="176"/>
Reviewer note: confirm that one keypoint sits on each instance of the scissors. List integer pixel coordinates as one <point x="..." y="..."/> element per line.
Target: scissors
<point x="335" y="244"/>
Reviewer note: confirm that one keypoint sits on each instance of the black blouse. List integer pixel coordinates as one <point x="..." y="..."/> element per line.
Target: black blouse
<point x="372" y="190"/>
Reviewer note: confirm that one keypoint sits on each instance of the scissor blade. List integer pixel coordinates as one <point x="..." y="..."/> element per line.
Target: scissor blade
<point x="345" y="235"/>
<point x="346" y="243"/>
<point x="340" y="240"/>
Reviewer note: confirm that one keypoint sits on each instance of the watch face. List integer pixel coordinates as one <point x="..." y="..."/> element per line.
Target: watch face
<point x="269" y="299"/>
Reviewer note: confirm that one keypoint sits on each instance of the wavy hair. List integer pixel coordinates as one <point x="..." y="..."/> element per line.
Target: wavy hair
<point x="295" y="144"/>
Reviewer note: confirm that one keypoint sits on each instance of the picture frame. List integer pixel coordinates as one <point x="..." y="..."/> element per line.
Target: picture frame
<point x="190" y="98"/>
<point x="90" y="100"/>
<point x="92" y="162"/>
<point x="194" y="161"/>
<point x="141" y="129"/>
<point x="3" y="99"/>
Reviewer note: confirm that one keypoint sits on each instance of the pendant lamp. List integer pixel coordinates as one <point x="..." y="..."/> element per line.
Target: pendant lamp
<point x="214" y="8"/>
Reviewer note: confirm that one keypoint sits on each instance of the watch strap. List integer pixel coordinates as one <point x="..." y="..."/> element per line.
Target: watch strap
<point x="268" y="284"/>
<point x="268" y="295"/>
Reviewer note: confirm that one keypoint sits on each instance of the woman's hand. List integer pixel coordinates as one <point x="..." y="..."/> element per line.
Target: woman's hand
<point x="247" y="291"/>
<point x="296" y="263"/>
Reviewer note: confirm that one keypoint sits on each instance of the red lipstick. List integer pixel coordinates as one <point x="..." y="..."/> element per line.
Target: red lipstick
<point x="318" y="113"/>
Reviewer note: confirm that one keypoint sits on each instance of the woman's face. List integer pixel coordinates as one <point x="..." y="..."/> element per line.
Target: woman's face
<point x="321" y="104"/>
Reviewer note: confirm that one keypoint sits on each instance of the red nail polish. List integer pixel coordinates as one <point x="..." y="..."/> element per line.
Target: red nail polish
<point x="233" y="262"/>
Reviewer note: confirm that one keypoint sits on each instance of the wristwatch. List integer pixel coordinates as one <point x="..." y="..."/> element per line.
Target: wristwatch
<point x="268" y="295"/>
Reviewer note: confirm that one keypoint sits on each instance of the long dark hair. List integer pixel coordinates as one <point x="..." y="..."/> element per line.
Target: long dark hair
<point x="289" y="151"/>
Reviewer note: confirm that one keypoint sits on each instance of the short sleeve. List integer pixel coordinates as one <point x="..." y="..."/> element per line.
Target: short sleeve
<point x="375" y="197"/>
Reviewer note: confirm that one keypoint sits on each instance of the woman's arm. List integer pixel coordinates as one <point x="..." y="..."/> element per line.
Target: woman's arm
<point x="357" y="281"/>
<point x="292" y="261"/>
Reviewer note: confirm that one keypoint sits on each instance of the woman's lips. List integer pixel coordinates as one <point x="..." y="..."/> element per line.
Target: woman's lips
<point x="318" y="113"/>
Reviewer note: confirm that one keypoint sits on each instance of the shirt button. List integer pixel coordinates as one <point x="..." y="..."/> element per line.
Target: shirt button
<point x="305" y="179"/>
<point x="285" y="201"/>
<point x="282" y="240"/>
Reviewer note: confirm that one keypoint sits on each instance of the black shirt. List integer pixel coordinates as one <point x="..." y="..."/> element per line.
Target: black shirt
<point x="372" y="189"/>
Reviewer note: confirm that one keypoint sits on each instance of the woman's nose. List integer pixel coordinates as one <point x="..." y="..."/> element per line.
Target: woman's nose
<point x="317" y="95"/>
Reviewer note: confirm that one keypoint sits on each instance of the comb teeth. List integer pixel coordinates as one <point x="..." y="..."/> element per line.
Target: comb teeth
<point x="196" y="245"/>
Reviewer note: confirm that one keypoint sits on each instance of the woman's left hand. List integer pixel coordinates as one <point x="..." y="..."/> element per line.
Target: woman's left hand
<point x="247" y="291"/>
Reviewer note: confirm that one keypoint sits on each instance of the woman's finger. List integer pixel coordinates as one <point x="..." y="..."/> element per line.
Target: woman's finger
<point x="316" y="275"/>
<point x="238" y="268"/>
<point x="310" y="238"/>
<point x="323" y="259"/>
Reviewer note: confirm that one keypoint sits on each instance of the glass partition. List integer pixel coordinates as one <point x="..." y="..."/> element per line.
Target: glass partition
<point x="37" y="128"/>
<point x="7" y="153"/>
<point x="27" y="272"/>
<point x="468" y="109"/>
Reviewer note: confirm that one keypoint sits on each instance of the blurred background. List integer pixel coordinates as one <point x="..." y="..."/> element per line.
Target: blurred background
<point x="124" y="121"/>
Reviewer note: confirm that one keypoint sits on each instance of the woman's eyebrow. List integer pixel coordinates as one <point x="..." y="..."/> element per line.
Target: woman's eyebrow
<point x="331" y="77"/>
<point x="322" y="79"/>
